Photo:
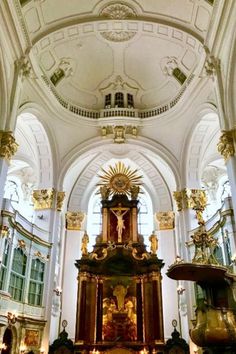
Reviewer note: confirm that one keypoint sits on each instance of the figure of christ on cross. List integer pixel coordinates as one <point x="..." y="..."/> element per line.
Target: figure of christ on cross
<point x="119" y="213"/>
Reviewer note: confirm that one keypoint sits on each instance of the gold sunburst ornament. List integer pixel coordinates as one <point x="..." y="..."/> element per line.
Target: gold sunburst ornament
<point x="120" y="179"/>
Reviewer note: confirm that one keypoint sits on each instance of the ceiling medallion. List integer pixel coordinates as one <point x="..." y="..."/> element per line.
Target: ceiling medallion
<point x="118" y="11"/>
<point x="120" y="179"/>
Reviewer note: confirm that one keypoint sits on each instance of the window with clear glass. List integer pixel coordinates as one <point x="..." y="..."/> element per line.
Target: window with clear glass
<point x="4" y="264"/>
<point x="130" y="101"/>
<point x="35" y="294"/>
<point x="108" y="101"/>
<point x="119" y="99"/>
<point x="17" y="277"/>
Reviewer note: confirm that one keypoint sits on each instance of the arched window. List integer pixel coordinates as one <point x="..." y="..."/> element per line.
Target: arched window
<point x="35" y="294"/>
<point x="94" y="223"/>
<point x="145" y="216"/>
<point x="130" y="101"/>
<point x="4" y="264"/>
<point x="17" y="278"/>
<point x="108" y="101"/>
<point x="119" y="99"/>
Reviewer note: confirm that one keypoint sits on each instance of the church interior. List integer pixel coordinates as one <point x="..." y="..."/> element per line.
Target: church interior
<point x="117" y="176"/>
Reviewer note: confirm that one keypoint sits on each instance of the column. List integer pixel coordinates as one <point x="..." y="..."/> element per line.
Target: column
<point x="139" y="296"/>
<point x="99" y="310"/>
<point x="158" y="333"/>
<point x="81" y="309"/>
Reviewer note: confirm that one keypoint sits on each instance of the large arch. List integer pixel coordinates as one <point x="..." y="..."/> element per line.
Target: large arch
<point x="80" y="167"/>
<point x="200" y="145"/>
<point x="32" y="133"/>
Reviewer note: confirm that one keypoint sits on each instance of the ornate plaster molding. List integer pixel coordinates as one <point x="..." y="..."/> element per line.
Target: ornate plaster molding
<point x="8" y="145"/>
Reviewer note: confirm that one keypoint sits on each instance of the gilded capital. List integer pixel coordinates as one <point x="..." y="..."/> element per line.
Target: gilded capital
<point x="178" y="196"/>
<point x="43" y="198"/>
<point x="196" y="199"/>
<point x="226" y="145"/>
<point x="8" y="145"/>
<point x="60" y="199"/>
<point x="166" y="220"/>
<point x="74" y="220"/>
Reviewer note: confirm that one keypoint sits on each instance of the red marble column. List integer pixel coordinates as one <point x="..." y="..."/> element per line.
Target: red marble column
<point x="81" y="310"/>
<point x="139" y="297"/>
<point x="99" y="310"/>
<point x="158" y="333"/>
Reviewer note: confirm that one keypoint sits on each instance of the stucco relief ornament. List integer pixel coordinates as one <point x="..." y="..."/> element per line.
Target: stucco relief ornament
<point x="118" y="12"/>
<point x="226" y="145"/>
<point x="8" y="145"/>
<point x="168" y="64"/>
<point x="118" y="36"/>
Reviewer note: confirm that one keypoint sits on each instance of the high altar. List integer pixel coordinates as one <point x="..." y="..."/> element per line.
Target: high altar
<point x="119" y="303"/>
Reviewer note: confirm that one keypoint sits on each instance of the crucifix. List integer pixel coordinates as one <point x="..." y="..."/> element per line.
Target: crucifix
<point x="119" y="213"/>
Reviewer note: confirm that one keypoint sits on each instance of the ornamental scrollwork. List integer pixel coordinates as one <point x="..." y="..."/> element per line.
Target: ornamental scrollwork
<point x="8" y="145"/>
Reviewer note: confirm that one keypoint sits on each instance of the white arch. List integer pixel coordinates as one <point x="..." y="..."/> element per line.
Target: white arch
<point x="200" y="136"/>
<point x="82" y="164"/>
<point x="38" y="138"/>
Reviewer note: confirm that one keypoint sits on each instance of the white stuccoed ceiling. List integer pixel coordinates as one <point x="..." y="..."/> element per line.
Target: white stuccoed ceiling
<point x="106" y="46"/>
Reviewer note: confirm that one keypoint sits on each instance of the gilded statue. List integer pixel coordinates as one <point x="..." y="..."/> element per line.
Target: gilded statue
<point x="84" y="245"/>
<point x="154" y="243"/>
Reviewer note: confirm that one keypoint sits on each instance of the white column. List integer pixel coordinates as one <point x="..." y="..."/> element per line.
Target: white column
<point x="3" y="176"/>
<point x="231" y="170"/>
<point x="54" y="227"/>
<point x="69" y="281"/>
<point x="167" y="251"/>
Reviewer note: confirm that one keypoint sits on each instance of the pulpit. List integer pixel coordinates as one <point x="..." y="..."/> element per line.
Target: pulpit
<point x="119" y="303"/>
